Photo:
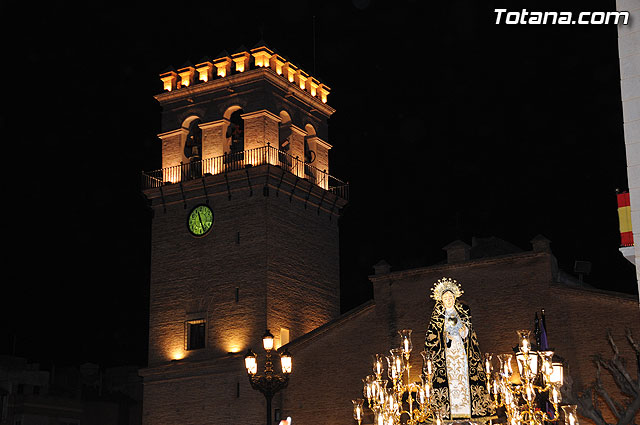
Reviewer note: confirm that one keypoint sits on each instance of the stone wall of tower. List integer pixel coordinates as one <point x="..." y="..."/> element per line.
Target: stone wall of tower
<point x="209" y="393"/>
<point x="214" y="140"/>
<point x="172" y="147"/>
<point x="297" y="146"/>
<point x="303" y="289"/>
<point x="198" y="276"/>
<point x="274" y="248"/>
<point x="260" y="128"/>
<point x="278" y="246"/>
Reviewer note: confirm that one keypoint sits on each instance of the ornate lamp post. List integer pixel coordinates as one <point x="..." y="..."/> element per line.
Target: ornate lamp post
<point x="268" y="383"/>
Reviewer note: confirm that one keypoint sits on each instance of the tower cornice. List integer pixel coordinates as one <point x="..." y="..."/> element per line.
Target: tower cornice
<point x="245" y="77"/>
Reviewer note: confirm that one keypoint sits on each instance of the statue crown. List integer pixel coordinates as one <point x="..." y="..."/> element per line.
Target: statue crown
<point x="443" y="285"/>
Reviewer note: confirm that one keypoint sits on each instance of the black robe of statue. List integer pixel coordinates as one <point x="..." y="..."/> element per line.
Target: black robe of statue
<point x="435" y="342"/>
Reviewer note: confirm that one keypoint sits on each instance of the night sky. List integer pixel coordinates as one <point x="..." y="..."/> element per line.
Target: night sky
<point x="448" y="126"/>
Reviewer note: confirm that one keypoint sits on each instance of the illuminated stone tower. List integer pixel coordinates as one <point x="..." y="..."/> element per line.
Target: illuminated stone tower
<point x="244" y="234"/>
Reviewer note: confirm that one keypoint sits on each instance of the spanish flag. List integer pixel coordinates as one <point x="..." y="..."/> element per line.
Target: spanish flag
<point x="624" y="216"/>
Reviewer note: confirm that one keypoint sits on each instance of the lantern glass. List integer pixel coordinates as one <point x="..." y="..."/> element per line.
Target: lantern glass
<point x="556" y="395"/>
<point x="357" y="409"/>
<point x="405" y="335"/>
<point x="368" y="387"/>
<point x="488" y="357"/>
<point x="392" y="371"/>
<point x="570" y="414"/>
<point x="251" y="363"/>
<point x="557" y="374"/>
<point x="505" y="365"/>
<point x="398" y="359"/>
<point x="546" y="366"/>
<point x="286" y="362"/>
<point x="381" y="388"/>
<point x="524" y="340"/>
<point x="378" y="364"/>
<point x="438" y="417"/>
<point x="531" y="361"/>
<point x="267" y="340"/>
<point x="427" y="363"/>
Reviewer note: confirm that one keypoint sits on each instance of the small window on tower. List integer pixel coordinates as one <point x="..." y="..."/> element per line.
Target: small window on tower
<point x="194" y="333"/>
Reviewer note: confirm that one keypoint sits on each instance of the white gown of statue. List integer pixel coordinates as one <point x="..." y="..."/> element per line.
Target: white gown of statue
<point x="457" y="367"/>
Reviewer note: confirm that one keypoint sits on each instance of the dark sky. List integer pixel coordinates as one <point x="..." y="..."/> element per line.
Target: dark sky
<point x="448" y="126"/>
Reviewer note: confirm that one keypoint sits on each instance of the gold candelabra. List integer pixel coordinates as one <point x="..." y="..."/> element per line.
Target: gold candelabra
<point x="390" y="399"/>
<point x="531" y="396"/>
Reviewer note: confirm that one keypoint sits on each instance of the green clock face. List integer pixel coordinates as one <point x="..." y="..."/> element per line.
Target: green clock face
<point x="200" y="220"/>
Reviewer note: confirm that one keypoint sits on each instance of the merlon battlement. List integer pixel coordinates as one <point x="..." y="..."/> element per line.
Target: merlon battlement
<point x="259" y="57"/>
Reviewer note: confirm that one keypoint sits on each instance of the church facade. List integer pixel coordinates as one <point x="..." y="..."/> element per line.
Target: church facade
<point x="245" y="238"/>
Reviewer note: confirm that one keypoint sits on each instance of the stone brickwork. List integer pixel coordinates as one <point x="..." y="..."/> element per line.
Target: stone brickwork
<point x="214" y="392"/>
<point x="172" y="147"/>
<point x="213" y="139"/>
<point x="297" y="145"/>
<point x="274" y="243"/>
<point x="260" y="128"/>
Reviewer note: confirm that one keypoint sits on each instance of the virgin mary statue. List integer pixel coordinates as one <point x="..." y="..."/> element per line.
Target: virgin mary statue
<point x="459" y="380"/>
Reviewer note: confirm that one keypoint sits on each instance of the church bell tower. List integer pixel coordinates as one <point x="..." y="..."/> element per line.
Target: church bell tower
<point x="244" y="231"/>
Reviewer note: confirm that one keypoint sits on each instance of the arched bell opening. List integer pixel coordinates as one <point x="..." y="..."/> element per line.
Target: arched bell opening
<point x="192" y="149"/>
<point x="285" y="141"/>
<point x="310" y="152"/>
<point x="234" y="134"/>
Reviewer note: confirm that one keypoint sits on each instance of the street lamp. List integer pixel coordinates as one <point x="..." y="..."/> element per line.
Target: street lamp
<point x="268" y="383"/>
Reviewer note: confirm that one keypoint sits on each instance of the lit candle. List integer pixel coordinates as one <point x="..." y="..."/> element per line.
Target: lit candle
<point x="421" y="396"/>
